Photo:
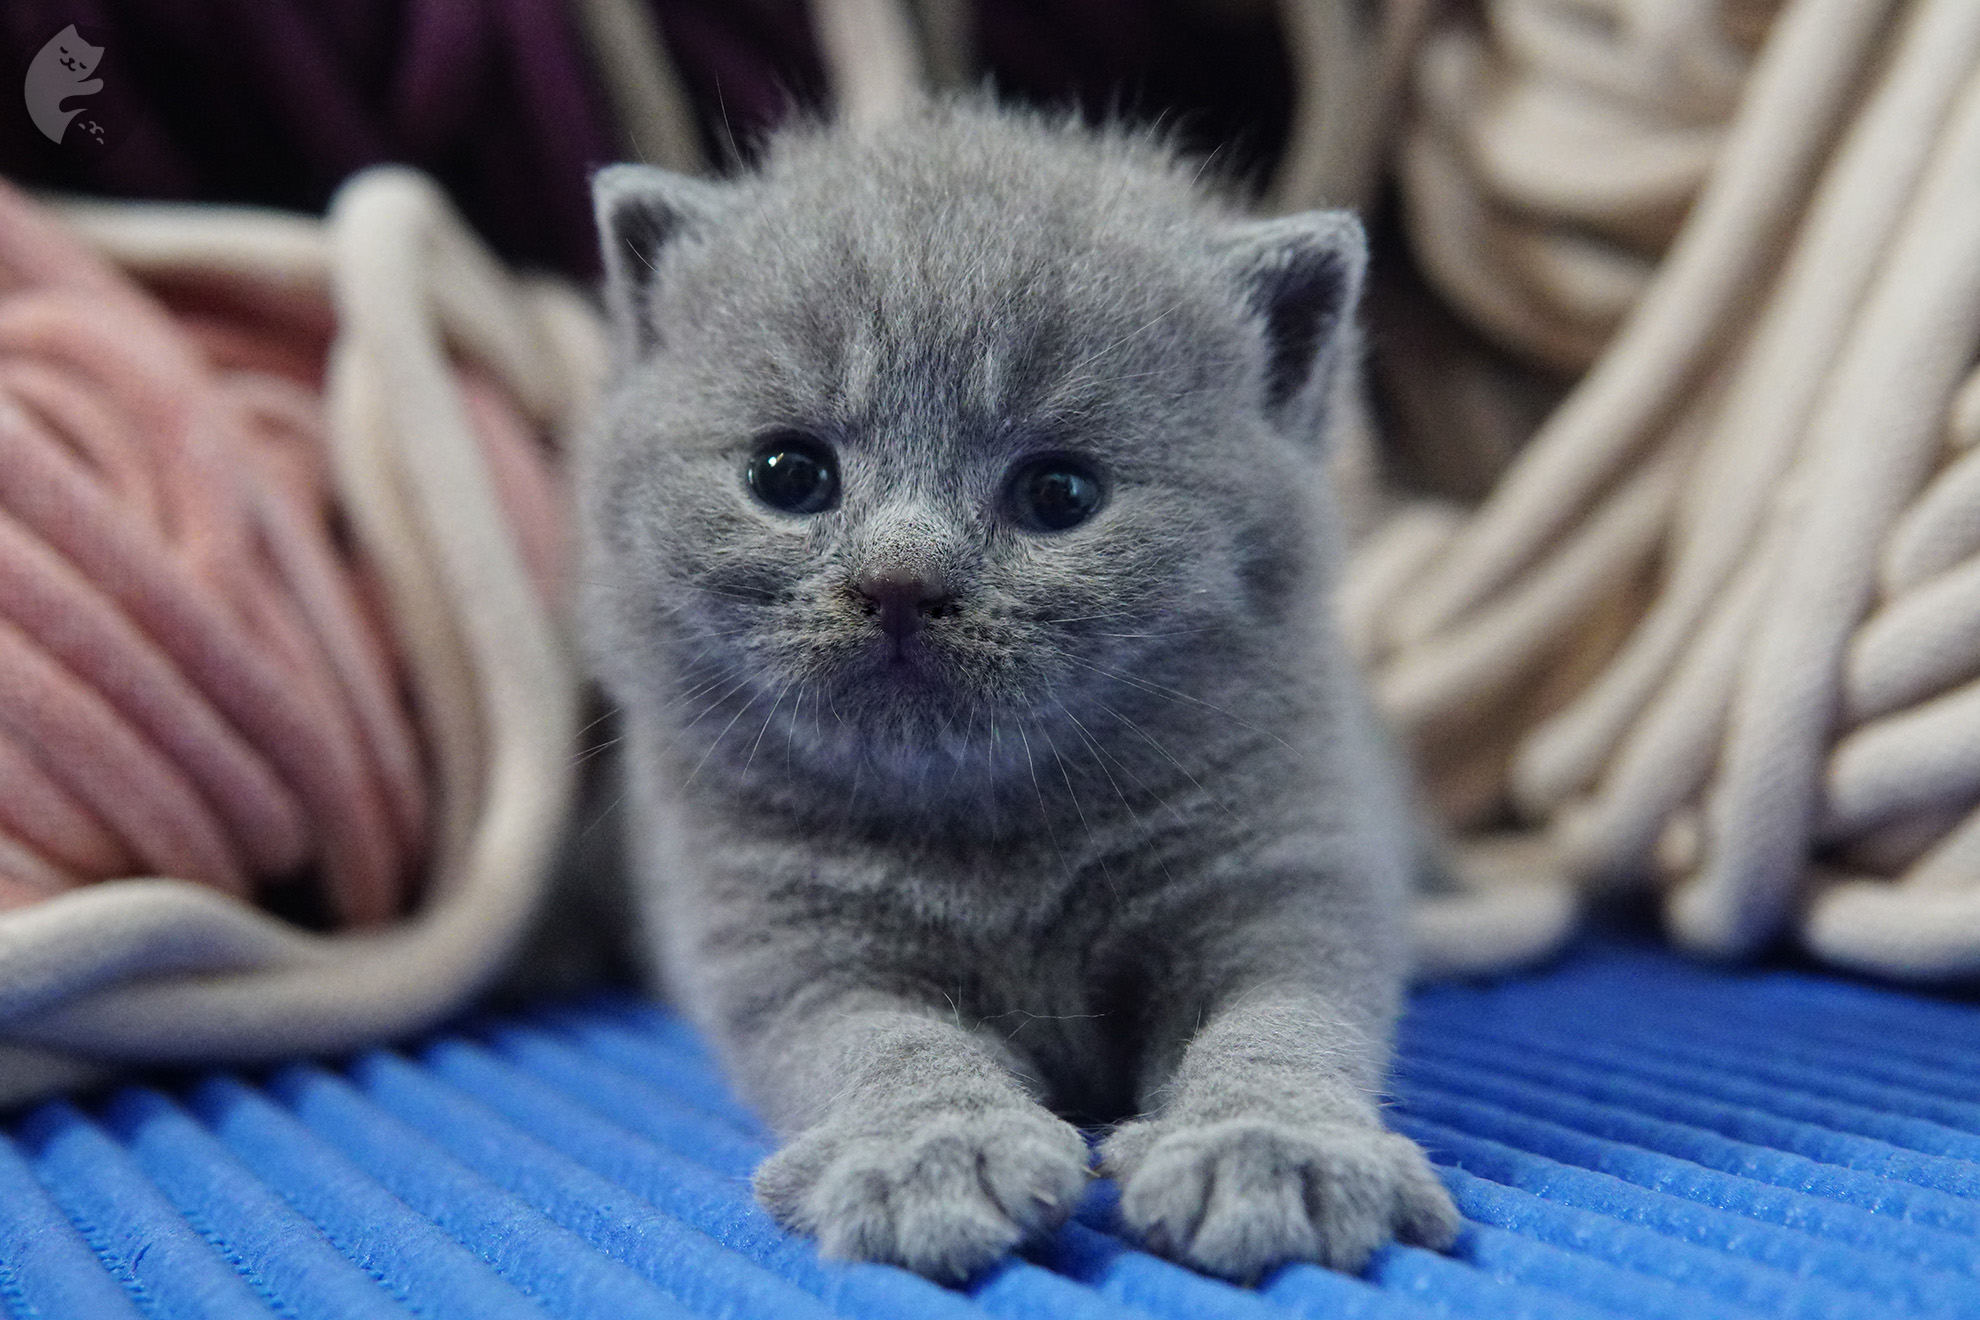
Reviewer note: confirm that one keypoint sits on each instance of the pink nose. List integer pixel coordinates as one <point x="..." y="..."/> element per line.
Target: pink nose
<point x="903" y="597"/>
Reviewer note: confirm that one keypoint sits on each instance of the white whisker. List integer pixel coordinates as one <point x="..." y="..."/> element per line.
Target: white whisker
<point x="767" y="719"/>
<point x="1150" y="740"/>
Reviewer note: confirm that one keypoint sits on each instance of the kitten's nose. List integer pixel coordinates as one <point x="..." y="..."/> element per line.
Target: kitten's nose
<point x="904" y="597"/>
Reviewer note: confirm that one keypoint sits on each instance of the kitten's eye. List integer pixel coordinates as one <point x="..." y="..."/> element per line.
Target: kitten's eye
<point x="1054" y="493"/>
<point x="794" y="473"/>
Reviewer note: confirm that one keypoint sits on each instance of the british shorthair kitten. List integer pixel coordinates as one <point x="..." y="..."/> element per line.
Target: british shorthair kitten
<point x="959" y="549"/>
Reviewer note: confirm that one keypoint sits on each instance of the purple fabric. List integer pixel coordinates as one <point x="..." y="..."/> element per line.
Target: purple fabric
<point x="745" y="64"/>
<point x="276" y="101"/>
<point x="1222" y="81"/>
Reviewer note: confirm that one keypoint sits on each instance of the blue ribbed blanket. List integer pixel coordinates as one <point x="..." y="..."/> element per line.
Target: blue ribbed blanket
<point x="1627" y="1135"/>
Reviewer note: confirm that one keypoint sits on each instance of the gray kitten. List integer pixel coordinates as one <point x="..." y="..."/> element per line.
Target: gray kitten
<point x="958" y="549"/>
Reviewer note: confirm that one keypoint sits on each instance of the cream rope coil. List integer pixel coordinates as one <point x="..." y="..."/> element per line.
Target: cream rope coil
<point x="1554" y="151"/>
<point x="1719" y="626"/>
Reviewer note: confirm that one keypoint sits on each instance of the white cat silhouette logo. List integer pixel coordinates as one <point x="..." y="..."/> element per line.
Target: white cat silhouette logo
<point x="61" y="70"/>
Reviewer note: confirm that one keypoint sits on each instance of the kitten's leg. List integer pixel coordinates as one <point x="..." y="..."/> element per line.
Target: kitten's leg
<point x="916" y="1141"/>
<point x="1266" y="1145"/>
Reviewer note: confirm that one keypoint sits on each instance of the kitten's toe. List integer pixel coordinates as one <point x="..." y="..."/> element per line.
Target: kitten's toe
<point x="1239" y="1197"/>
<point x="943" y="1195"/>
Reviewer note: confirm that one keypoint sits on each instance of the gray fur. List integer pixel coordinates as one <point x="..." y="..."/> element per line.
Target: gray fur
<point x="1118" y="838"/>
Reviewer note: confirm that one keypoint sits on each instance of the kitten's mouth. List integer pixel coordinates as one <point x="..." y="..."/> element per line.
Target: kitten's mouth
<point x="896" y="659"/>
<point x="908" y="676"/>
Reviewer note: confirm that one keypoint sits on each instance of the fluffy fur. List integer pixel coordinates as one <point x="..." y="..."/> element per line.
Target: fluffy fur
<point x="1109" y="835"/>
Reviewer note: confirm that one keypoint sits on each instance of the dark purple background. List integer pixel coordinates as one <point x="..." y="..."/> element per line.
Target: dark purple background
<point x="276" y="101"/>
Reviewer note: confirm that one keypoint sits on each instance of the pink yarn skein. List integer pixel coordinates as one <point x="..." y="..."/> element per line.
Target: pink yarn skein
<point x="196" y="679"/>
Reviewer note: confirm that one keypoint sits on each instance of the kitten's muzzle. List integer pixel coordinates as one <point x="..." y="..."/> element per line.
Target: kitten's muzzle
<point x="904" y="598"/>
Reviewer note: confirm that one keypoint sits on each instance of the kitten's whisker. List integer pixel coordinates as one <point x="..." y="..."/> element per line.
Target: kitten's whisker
<point x="1044" y="813"/>
<point x="609" y="713"/>
<point x="697" y="690"/>
<point x="1066" y="775"/>
<point x="601" y="817"/>
<point x="592" y="752"/>
<point x="1150" y="636"/>
<point x="751" y="759"/>
<point x="969" y="736"/>
<point x="720" y="634"/>
<point x="790" y="733"/>
<point x="1203" y="166"/>
<point x="633" y="247"/>
<point x="617" y="584"/>
<point x="1156" y="689"/>
<point x="1150" y="740"/>
<point x="747" y="598"/>
<point x="698" y="663"/>
<point x="716" y="704"/>
<point x="1099" y="854"/>
<point x="1100" y="758"/>
<point x="701" y="693"/>
<point x="1085" y="618"/>
<point x="859" y="770"/>
<point x="728" y="129"/>
<point x="1137" y="615"/>
<point x="689" y="781"/>
<point x="993" y="751"/>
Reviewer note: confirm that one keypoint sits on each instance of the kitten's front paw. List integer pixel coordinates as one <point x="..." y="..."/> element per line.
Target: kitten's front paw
<point x="943" y="1195"/>
<point x="1236" y="1198"/>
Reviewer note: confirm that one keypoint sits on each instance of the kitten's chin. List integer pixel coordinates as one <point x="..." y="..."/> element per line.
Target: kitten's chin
<point x="905" y="713"/>
<point x="902" y="707"/>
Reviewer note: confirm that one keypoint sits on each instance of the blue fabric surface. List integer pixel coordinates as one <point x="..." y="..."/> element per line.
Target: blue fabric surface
<point x="1627" y="1134"/>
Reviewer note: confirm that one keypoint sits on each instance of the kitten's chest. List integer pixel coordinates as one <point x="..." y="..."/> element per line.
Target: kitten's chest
<point x="1062" y="962"/>
<point x="1071" y="998"/>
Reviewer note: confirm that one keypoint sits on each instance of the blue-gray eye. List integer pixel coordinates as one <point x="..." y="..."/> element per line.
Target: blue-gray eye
<point x="1054" y="493"/>
<point x="794" y="473"/>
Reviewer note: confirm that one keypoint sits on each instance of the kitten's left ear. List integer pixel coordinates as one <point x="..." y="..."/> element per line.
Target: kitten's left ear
<point x="1301" y="274"/>
<point x="641" y="210"/>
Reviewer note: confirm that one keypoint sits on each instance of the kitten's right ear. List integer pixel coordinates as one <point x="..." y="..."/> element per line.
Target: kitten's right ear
<point x="641" y="209"/>
<point x="1301" y="276"/>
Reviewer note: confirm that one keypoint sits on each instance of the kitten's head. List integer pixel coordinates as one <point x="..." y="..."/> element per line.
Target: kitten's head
<point x="929" y="443"/>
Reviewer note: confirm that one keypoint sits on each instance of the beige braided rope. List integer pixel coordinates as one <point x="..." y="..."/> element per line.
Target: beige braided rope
<point x="655" y="117"/>
<point x="873" y="58"/>
<point x="1350" y="62"/>
<point x="1548" y="167"/>
<point x="1767" y="475"/>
